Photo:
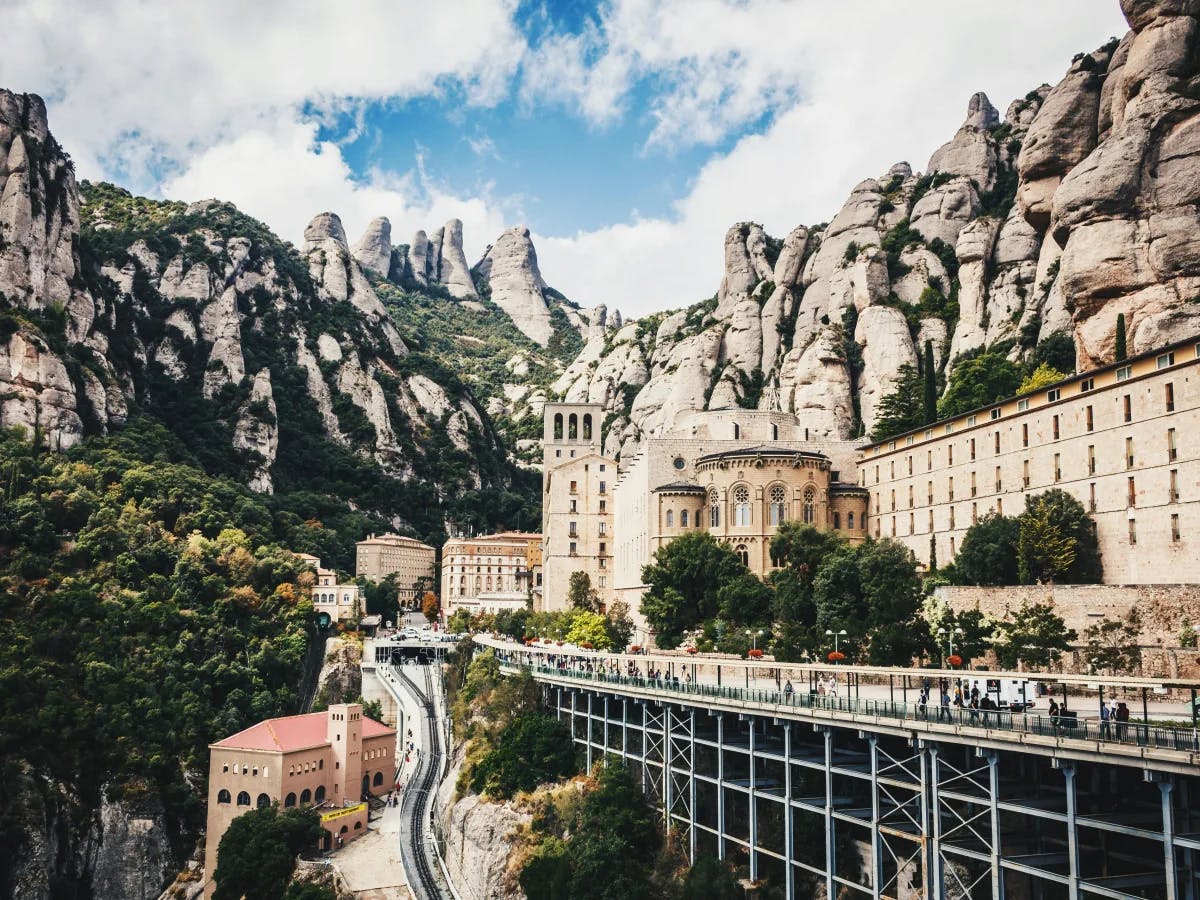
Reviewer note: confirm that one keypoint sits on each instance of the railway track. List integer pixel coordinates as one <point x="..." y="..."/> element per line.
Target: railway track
<point x="422" y="785"/>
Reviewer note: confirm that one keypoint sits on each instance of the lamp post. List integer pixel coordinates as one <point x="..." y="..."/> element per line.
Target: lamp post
<point x="949" y="638"/>
<point x="754" y="636"/>
<point x="835" y="635"/>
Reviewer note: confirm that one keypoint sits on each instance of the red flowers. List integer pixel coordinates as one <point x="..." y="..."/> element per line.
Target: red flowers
<point x="836" y="655"/>
<point x="954" y="660"/>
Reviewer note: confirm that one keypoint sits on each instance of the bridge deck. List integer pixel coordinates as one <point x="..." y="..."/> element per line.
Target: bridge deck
<point x="1132" y="744"/>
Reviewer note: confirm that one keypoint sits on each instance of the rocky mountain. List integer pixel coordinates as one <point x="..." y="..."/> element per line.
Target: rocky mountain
<point x="1035" y="230"/>
<point x="280" y="367"/>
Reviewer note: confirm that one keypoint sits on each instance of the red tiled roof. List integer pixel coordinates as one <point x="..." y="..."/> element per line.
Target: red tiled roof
<point x="293" y="733"/>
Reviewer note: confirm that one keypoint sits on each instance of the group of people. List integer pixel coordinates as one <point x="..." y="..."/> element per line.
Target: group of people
<point x="1113" y="712"/>
<point x="827" y="687"/>
<point x="974" y="703"/>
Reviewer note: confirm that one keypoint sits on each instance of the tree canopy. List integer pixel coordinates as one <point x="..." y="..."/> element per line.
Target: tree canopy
<point x="257" y="854"/>
<point x="683" y="582"/>
<point x="977" y="381"/>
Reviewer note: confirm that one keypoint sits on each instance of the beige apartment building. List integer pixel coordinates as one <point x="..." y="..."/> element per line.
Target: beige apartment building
<point x="491" y="572"/>
<point x="329" y="760"/>
<point x="1121" y="439"/>
<point x="407" y="558"/>
<point x="333" y="602"/>
<point x="577" y="502"/>
<point x="738" y="474"/>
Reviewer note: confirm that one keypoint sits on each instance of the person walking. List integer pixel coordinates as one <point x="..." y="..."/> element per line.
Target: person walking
<point x="1105" y="722"/>
<point x="944" y="706"/>
<point x="1122" y="721"/>
<point x="1054" y="715"/>
<point x="923" y="702"/>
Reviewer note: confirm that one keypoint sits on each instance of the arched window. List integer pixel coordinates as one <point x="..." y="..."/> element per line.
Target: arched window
<point x="378" y="779"/>
<point x="743" y="554"/>
<point x="683" y="518"/>
<point x="670" y="518"/>
<point x="737" y="431"/>
<point x="558" y="432"/>
<point x="320" y="764"/>
<point x="462" y="585"/>
<point x="714" y="509"/>
<point x="264" y="800"/>
<point x="572" y="427"/>
<point x="741" y="506"/>
<point x="489" y="582"/>
<point x="478" y="584"/>
<point x="223" y="796"/>
<point x="243" y="799"/>
<point x="289" y="801"/>
<point x="850" y="520"/>
<point x="305" y="796"/>
<point x="344" y="829"/>
<point x="774" y="432"/>
<point x="357" y="826"/>
<point x="587" y="426"/>
<point x="778" y="504"/>
<point x="320" y="794"/>
<point x="810" y="505"/>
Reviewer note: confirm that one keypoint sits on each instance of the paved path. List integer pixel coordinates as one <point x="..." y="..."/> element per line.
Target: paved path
<point x="371" y="865"/>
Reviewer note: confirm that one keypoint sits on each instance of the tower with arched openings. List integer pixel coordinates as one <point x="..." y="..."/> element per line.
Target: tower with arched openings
<point x="577" y="501"/>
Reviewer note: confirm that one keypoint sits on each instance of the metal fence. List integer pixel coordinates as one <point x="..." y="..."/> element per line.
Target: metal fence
<point x="1065" y="725"/>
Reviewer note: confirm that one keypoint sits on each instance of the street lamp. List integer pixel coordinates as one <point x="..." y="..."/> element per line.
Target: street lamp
<point x="948" y="636"/>
<point x="835" y="635"/>
<point x="754" y="636"/>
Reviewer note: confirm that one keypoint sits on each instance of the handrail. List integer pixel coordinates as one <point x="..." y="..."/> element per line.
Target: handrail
<point x="1126" y="681"/>
<point x="1125" y="733"/>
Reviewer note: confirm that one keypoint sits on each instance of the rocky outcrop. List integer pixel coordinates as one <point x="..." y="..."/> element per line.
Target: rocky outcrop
<point x="510" y="270"/>
<point x="442" y="260"/>
<point x="340" y="679"/>
<point x="1081" y="204"/>
<point x="257" y="431"/>
<point x="1127" y="215"/>
<point x="373" y="251"/>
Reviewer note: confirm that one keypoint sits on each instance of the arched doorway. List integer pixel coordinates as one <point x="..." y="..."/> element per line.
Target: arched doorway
<point x="366" y="784"/>
<point x="327" y="841"/>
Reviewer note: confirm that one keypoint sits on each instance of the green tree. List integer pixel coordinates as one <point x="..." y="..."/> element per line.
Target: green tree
<point x="306" y="890"/>
<point x="1058" y="540"/>
<point x="546" y="874"/>
<point x="891" y="594"/>
<point x="258" y="851"/>
<point x="978" y="381"/>
<point x="589" y="628"/>
<point x="581" y="594"/>
<point x="1041" y="377"/>
<point x="988" y="555"/>
<point x="620" y="626"/>
<point x="710" y="878"/>
<point x="929" y="375"/>
<point x="683" y="583"/>
<point x="1112" y="644"/>
<point x="535" y="747"/>
<point x="1034" y="634"/>
<point x="1119" y="351"/>
<point x="902" y="408"/>
<point x="837" y="596"/>
<point x="745" y="600"/>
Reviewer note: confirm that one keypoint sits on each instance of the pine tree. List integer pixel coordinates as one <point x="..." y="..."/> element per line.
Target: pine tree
<point x="1120" y="353"/>
<point x="933" y="566"/>
<point x="930" y="385"/>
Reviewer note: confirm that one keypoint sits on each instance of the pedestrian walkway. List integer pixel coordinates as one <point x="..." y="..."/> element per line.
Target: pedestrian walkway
<point x="371" y="865"/>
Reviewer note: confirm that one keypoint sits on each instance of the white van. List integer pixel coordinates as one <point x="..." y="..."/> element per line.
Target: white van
<point x="1015" y="694"/>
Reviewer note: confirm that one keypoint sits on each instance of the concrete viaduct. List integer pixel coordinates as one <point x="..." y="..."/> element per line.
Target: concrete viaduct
<point x="843" y="796"/>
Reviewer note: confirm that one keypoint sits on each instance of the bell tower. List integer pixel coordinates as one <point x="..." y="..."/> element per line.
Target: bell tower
<point x="570" y="430"/>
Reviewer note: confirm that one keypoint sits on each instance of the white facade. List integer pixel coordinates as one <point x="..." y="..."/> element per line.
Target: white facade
<point x="491" y="572"/>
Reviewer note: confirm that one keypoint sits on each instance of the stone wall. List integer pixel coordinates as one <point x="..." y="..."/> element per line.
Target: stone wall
<point x="1162" y="607"/>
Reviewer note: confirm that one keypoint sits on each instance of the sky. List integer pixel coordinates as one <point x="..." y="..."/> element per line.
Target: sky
<point x="628" y="135"/>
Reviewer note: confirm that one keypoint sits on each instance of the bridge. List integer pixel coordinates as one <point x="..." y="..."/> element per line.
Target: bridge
<point x="885" y="798"/>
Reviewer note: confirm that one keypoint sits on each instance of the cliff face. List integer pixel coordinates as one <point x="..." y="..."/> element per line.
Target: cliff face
<point x="120" y="302"/>
<point x="1079" y="204"/>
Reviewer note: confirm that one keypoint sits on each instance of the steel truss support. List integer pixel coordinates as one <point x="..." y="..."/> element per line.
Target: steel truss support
<point x="830" y="843"/>
<point x="788" y="816"/>
<point x="1072" y="832"/>
<point x="753" y="805"/>
<point x="720" y="786"/>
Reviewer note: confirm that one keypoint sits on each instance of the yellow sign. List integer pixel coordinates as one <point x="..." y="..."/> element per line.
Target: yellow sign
<point x="344" y="811"/>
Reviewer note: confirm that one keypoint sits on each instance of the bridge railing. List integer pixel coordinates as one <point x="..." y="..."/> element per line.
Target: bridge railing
<point x="1132" y="733"/>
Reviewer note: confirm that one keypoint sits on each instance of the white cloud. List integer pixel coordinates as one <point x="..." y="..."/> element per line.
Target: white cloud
<point x="874" y="83"/>
<point x="140" y="84"/>
<point x="281" y="173"/>
<point x="226" y="96"/>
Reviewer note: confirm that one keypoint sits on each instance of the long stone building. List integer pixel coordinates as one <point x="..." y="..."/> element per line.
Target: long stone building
<point x="1121" y="439"/>
<point x="491" y="572"/>
<point x="1118" y="438"/>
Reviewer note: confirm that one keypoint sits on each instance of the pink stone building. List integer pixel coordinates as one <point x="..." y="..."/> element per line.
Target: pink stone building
<point x="329" y="760"/>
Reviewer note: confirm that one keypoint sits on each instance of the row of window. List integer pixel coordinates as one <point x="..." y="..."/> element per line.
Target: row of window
<point x="1130" y="502"/>
<point x="245" y="769"/>
<point x="1053" y="395"/>
<point x="1056" y="433"/>
<point x="1129" y="459"/>
<point x="573" y="428"/>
